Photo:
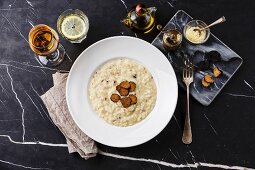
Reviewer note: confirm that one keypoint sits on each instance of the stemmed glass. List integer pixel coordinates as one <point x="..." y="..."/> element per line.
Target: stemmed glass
<point x="44" y="41"/>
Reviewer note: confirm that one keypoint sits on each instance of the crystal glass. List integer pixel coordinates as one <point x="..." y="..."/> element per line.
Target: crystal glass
<point x="73" y="25"/>
<point x="44" y="41"/>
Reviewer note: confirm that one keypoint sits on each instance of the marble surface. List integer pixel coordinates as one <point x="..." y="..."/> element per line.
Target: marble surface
<point x="223" y="133"/>
<point x="229" y="60"/>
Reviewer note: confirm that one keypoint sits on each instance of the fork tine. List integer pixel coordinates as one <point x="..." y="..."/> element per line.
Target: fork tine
<point x="188" y="69"/>
<point x="185" y="69"/>
<point x="190" y="72"/>
<point x="183" y="72"/>
<point x="192" y="69"/>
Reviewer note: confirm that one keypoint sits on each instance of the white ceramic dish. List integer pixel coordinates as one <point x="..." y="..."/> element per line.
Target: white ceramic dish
<point x="101" y="52"/>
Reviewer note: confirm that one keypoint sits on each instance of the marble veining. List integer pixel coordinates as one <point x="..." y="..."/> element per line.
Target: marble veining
<point x="30" y="140"/>
<point x="172" y="165"/>
<point x="22" y="166"/>
<point x="21" y="106"/>
<point x="229" y="64"/>
<point x="33" y="143"/>
<point x="124" y="4"/>
<point x="240" y="95"/>
<point x="216" y="133"/>
<point x="163" y="163"/>
<point x="248" y="84"/>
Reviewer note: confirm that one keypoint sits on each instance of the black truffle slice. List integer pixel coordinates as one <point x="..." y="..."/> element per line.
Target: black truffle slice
<point x="203" y="65"/>
<point x="204" y="83"/>
<point x="132" y="86"/>
<point x="133" y="99"/>
<point x="208" y="78"/>
<point x="216" y="72"/>
<point x="213" y="56"/>
<point x="115" y="98"/>
<point x="125" y="84"/>
<point x="126" y="102"/>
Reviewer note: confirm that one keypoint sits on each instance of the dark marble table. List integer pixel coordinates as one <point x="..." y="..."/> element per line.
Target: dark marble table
<point x="223" y="133"/>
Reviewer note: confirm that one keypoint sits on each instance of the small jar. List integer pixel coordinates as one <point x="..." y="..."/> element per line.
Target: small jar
<point x="172" y="39"/>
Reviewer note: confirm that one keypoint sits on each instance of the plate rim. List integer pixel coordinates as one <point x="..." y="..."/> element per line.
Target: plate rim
<point x="68" y="84"/>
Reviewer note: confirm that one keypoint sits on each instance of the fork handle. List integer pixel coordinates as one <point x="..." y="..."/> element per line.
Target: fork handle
<point x="187" y="134"/>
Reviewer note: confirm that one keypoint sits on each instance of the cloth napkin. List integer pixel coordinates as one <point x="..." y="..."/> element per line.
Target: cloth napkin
<point x="55" y="101"/>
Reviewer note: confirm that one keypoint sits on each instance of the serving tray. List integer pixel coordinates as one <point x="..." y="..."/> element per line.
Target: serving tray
<point x="229" y="64"/>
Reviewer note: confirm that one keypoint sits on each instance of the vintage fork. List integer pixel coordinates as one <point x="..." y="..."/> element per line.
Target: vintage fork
<point x="188" y="75"/>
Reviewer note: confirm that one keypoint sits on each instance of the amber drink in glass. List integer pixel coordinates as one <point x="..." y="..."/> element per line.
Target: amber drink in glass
<point x="44" y="41"/>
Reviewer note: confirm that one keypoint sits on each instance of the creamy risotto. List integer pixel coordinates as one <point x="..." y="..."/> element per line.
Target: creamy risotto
<point x="103" y="85"/>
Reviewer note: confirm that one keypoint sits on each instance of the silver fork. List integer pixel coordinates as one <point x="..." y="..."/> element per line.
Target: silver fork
<point x="188" y="74"/>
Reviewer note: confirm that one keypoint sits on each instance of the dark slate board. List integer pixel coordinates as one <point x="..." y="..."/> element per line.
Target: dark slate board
<point x="229" y="64"/>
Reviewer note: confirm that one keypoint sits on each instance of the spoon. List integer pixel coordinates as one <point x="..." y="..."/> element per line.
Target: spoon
<point x="160" y="28"/>
<point x="218" y="21"/>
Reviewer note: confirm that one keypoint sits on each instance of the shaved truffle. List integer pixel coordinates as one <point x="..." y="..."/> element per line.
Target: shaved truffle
<point x="208" y="78"/>
<point x="123" y="92"/>
<point x="204" y="65"/>
<point x="115" y="98"/>
<point x="216" y="72"/>
<point x="118" y="88"/>
<point x="133" y="99"/>
<point x="213" y="56"/>
<point x="132" y="86"/>
<point x="126" y="102"/>
<point x="124" y="97"/>
<point x="125" y="84"/>
<point x="204" y="83"/>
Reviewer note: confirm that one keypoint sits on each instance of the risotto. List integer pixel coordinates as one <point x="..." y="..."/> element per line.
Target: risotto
<point x="114" y="106"/>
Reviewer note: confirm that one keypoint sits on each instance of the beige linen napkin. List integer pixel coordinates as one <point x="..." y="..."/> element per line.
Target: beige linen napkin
<point x="55" y="101"/>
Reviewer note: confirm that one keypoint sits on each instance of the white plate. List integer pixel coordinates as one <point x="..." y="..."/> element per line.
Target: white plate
<point x="99" y="53"/>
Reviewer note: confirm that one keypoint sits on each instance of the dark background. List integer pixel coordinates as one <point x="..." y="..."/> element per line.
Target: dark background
<point x="223" y="133"/>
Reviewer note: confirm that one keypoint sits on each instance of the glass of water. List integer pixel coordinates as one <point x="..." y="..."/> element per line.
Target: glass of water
<point x="73" y="25"/>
